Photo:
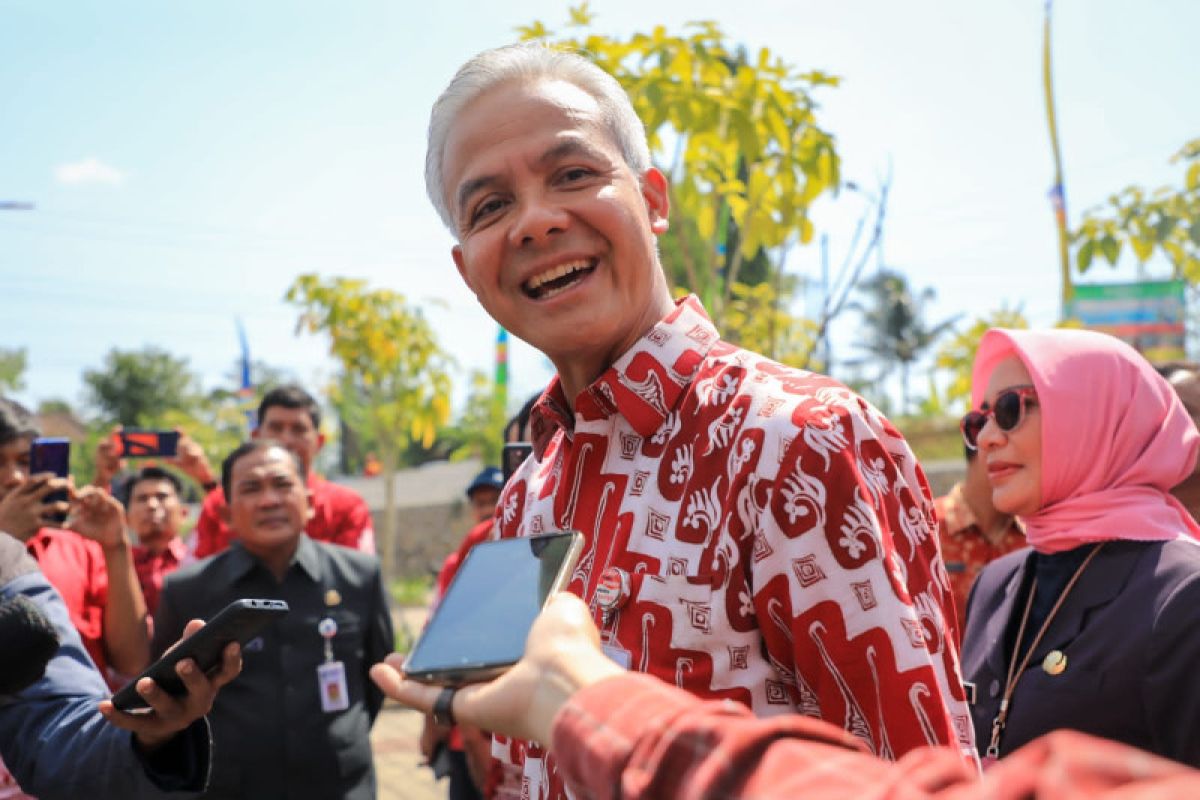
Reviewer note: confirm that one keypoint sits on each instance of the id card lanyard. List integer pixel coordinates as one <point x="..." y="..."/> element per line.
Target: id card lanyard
<point x="992" y="754"/>
<point x="331" y="675"/>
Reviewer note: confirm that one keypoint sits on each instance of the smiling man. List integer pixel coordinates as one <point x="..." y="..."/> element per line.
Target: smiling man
<point x="296" y="724"/>
<point x="754" y="532"/>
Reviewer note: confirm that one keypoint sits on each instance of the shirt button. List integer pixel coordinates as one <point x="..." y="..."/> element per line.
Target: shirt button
<point x="994" y="689"/>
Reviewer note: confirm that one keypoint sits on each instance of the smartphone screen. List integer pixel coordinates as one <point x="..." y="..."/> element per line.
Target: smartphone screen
<point x="513" y="456"/>
<point x="135" y="443"/>
<point x="483" y="620"/>
<point x="52" y="454"/>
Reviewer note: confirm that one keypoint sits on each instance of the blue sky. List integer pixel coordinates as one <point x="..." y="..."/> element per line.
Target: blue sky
<point x="188" y="160"/>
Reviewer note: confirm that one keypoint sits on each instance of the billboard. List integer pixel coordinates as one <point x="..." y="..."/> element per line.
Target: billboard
<point x="1147" y="314"/>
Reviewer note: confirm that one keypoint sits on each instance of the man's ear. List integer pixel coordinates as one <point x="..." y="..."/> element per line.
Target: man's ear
<point x="657" y="195"/>
<point x="311" y="510"/>
<point x="456" y="253"/>
<point x="254" y="434"/>
<point x="320" y="441"/>
<point x="226" y="516"/>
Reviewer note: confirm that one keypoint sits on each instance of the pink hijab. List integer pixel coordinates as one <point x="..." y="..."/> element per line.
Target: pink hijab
<point x="1115" y="438"/>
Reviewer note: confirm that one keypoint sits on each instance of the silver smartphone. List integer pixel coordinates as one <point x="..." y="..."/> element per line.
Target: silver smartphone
<point x="479" y="628"/>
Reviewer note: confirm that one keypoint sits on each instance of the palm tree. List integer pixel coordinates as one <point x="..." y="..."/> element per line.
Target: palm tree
<point x="895" y="331"/>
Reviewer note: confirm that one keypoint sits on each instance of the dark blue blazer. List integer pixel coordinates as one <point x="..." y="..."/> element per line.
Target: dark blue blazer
<point x="1131" y="632"/>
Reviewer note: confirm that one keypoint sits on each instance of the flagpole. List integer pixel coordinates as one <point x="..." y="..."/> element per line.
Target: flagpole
<point x="1058" y="194"/>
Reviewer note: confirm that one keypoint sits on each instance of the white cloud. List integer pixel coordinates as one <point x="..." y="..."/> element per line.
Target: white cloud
<point x="88" y="170"/>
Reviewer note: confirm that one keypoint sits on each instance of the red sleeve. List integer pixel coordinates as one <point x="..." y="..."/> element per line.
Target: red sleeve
<point x="634" y="737"/>
<point x="356" y="529"/>
<point x="211" y="534"/>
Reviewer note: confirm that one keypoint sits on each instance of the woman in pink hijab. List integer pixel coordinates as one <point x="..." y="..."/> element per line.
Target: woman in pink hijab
<point x="1096" y="627"/>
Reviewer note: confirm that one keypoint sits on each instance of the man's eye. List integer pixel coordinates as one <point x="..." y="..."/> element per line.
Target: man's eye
<point x="575" y="174"/>
<point x="485" y="208"/>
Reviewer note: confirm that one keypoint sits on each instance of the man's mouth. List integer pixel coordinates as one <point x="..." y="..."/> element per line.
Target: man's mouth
<point x="558" y="279"/>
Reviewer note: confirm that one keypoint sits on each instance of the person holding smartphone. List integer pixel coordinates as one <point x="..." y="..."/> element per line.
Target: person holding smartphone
<point x="63" y="739"/>
<point x="90" y="565"/>
<point x="297" y="722"/>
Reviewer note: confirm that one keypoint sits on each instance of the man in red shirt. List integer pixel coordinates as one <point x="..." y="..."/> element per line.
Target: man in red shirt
<point x="156" y="515"/>
<point x="91" y="567"/>
<point x="973" y="533"/>
<point x="752" y="532"/>
<point x="623" y="735"/>
<point x="291" y="416"/>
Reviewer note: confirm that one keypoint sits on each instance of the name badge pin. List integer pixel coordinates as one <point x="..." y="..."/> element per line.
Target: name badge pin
<point x="333" y="598"/>
<point x="612" y="592"/>
<point x="1055" y="662"/>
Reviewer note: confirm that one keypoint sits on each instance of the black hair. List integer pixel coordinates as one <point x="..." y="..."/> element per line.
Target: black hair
<point x="246" y="448"/>
<point x="517" y="428"/>
<point x="150" y="473"/>
<point x="290" y="396"/>
<point x="16" y="422"/>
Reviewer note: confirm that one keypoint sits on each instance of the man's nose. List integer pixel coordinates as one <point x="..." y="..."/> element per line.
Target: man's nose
<point x="538" y="219"/>
<point x="12" y="477"/>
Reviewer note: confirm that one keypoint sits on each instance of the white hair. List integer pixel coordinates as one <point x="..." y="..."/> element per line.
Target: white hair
<point x="528" y="61"/>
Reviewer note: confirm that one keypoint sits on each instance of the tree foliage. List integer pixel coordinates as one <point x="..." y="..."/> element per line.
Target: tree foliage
<point x="895" y="331"/>
<point x="137" y="388"/>
<point x="739" y="138"/>
<point x="1165" y="221"/>
<point x="394" y="382"/>
<point x="479" y="431"/>
<point x="12" y="369"/>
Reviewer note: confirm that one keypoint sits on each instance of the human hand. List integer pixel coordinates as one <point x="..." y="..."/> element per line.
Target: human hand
<point x="99" y="516"/>
<point x="562" y="655"/>
<point x="191" y="460"/>
<point x="170" y="715"/>
<point x="108" y="459"/>
<point x="24" y="510"/>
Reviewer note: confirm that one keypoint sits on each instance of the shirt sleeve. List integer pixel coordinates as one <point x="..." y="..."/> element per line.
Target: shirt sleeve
<point x="1171" y="689"/>
<point x="355" y="529"/>
<point x="845" y="572"/>
<point x="636" y="738"/>
<point x="57" y="745"/>
<point x="210" y="530"/>
<point x="381" y="641"/>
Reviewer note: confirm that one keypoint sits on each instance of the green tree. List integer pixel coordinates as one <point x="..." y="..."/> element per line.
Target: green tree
<point x="390" y="364"/>
<point x="12" y="369"/>
<point x="139" y="387"/>
<point x="739" y="138"/>
<point x="895" y="332"/>
<point x="479" y="431"/>
<point x="1165" y="221"/>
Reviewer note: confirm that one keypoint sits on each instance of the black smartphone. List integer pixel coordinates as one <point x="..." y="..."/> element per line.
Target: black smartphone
<point x="240" y="621"/>
<point x="138" y="443"/>
<point x="513" y="456"/>
<point x="479" y="628"/>
<point x="52" y="454"/>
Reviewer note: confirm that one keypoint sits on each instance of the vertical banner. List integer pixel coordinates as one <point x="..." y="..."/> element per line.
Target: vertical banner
<point x="501" y="380"/>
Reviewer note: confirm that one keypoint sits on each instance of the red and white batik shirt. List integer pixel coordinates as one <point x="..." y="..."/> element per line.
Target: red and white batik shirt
<point x="777" y="532"/>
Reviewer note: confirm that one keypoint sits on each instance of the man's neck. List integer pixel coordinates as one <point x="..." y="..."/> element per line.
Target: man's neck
<point x="276" y="559"/>
<point x="156" y="543"/>
<point x="578" y="371"/>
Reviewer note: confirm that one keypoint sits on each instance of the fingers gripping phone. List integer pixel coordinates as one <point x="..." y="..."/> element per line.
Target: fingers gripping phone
<point x="137" y="443"/>
<point x="52" y="454"/>
<point x="240" y="621"/>
<point x="480" y="627"/>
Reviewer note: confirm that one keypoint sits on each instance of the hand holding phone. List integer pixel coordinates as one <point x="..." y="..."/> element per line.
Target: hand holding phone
<point x="53" y="455"/>
<point x="479" y="628"/>
<point x="240" y="621"/>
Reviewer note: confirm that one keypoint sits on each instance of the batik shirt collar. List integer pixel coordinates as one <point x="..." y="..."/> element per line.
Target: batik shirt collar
<point x="677" y="343"/>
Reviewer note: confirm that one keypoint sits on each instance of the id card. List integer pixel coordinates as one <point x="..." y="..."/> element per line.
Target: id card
<point x="331" y="680"/>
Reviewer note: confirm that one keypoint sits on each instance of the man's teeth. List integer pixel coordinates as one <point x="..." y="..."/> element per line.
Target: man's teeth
<point x="557" y="272"/>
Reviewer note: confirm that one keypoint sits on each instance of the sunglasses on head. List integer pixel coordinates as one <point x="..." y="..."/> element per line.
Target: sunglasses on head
<point x="1008" y="410"/>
